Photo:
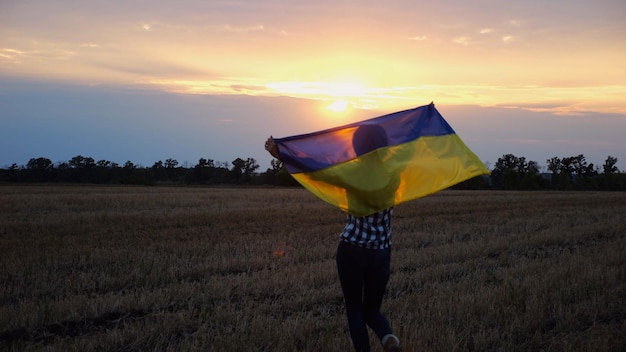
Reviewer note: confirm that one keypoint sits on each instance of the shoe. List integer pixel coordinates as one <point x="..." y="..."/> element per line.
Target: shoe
<point x="391" y="343"/>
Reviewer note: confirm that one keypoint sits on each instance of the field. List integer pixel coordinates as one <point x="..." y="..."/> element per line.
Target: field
<point x="112" y="268"/>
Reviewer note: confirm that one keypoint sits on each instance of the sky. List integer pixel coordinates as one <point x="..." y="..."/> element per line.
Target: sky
<point x="149" y="80"/>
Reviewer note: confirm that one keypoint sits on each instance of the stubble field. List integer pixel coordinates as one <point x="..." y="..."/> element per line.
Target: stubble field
<point x="96" y="268"/>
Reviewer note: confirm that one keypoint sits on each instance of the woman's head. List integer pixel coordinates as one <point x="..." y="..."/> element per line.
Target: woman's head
<point x="369" y="137"/>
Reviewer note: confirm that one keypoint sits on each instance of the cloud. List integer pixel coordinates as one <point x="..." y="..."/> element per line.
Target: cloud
<point x="48" y="54"/>
<point x="10" y="52"/>
<point x="216" y="86"/>
<point x="227" y="121"/>
<point x="13" y="55"/>
<point x="515" y="22"/>
<point x="242" y="88"/>
<point x="559" y="100"/>
<point x="242" y="29"/>
<point x="462" y="40"/>
<point x="204" y="47"/>
<point x="146" y="71"/>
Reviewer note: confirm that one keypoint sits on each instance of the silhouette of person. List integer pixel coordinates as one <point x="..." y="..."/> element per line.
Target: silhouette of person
<point x="364" y="251"/>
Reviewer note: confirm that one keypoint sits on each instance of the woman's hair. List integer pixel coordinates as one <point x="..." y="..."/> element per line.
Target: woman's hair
<point x="369" y="137"/>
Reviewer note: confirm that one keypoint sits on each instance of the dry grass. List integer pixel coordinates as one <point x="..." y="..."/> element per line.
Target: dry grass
<point x="212" y="269"/>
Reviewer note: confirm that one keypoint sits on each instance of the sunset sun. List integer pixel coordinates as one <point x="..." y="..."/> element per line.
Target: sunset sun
<point x="338" y="106"/>
<point x="337" y="98"/>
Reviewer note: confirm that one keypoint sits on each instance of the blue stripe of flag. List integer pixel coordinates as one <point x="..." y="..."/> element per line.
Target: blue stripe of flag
<point x="318" y="150"/>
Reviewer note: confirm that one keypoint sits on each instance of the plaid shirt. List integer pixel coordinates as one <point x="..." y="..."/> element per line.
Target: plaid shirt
<point x="372" y="231"/>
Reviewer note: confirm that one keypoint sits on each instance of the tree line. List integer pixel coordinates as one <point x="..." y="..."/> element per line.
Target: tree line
<point x="509" y="173"/>
<point x="568" y="173"/>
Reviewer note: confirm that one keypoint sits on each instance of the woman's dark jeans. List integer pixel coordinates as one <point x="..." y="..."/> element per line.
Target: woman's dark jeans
<point x="364" y="274"/>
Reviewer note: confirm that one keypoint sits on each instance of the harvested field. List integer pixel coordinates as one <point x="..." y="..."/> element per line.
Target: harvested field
<point x="115" y="268"/>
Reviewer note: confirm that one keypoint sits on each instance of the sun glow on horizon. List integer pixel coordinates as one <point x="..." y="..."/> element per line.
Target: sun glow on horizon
<point x="338" y="106"/>
<point x="320" y="89"/>
<point x="340" y="97"/>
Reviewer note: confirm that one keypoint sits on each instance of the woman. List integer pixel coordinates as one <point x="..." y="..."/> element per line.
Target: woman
<point x="364" y="256"/>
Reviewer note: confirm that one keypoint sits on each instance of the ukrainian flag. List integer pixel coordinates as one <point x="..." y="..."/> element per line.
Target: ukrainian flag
<point x="372" y="165"/>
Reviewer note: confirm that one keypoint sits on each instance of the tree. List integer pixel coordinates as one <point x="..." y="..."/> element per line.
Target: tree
<point x="129" y="173"/>
<point x="530" y="177"/>
<point x="243" y="170"/>
<point x="205" y="163"/>
<point x="81" y="162"/>
<point x="511" y="172"/>
<point x="580" y="166"/>
<point x="103" y="164"/>
<point x="532" y="168"/>
<point x="554" y="165"/>
<point x="171" y="163"/>
<point x="39" y="169"/>
<point x="102" y="172"/>
<point x="609" y="166"/>
<point x="269" y="176"/>
<point x="158" y="171"/>
<point x="129" y="166"/>
<point x="204" y="170"/>
<point x="572" y="172"/>
<point x="170" y="168"/>
<point x="237" y="170"/>
<point x="39" y="164"/>
<point x="13" y="173"/>
<point x="249" y="168"/>
<point x="157" y="165"/>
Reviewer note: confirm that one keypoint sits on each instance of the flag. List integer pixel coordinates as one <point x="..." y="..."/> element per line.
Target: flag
<point x="371" y="165"/>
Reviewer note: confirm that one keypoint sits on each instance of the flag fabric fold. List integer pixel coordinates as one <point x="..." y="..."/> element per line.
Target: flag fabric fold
<point x="371" y="165"/>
